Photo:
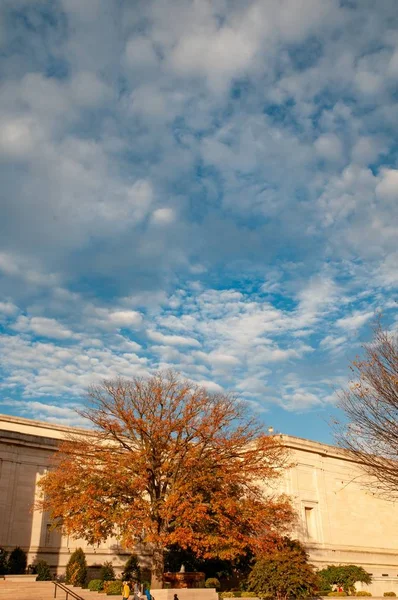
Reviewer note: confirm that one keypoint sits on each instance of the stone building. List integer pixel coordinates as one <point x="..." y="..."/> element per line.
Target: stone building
<point x="340" y="520"/>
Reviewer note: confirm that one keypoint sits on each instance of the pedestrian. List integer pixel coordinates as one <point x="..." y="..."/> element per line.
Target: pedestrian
<point x="147" y="593"/>
<point x="126" y="590"/>
<point x="137" y="591"/>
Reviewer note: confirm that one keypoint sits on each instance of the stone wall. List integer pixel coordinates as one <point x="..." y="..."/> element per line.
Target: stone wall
<point x="341" y="520"/>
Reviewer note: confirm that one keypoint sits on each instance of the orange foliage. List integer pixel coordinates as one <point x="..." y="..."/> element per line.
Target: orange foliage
<point x="169" y="463"/>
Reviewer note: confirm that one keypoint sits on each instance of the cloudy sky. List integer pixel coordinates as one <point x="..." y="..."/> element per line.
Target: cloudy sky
<point x="208" y="185"/>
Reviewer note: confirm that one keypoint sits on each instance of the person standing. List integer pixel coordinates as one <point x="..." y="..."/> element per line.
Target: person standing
<point x="147" y="593"/>
<point x="126" y="590"/>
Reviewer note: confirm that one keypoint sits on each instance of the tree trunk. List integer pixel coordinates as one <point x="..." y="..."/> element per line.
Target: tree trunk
<point x="157" y="568"/>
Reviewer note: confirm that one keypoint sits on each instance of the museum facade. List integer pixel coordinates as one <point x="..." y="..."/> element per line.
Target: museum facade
<point x="341" y="521"/>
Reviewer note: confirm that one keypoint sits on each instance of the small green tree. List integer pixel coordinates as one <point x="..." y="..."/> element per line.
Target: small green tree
<point x="344" y="576"/>
<point x="3" y="561"/>
<point x="131" y="568"/>
<point x="284" y="571"/>
<point x="43" y="571"/>
<point x="107" y="572"/>
<point x="76" y="569"/>
<point x="17" y="561"/>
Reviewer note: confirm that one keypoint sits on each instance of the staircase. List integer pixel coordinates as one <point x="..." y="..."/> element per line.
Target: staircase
<point x="44" y="590"/>
<point x="27" y="590"/>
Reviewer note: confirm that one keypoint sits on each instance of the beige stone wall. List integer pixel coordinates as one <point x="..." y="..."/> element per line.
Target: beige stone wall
<point x="26" y="449"/>
<point x="340" y="520"/>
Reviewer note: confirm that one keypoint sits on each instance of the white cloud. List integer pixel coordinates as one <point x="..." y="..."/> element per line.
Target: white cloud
<point x="62" y="415"/>
<point x="8" y="308"/>
<point x="195" y="145"/>
<point x="125" y="318"/>
<point x="43" y="327"/>
<point x="172" y="340"/>
<point x="329" y="147"/>
<point x="163" y="216"/>
<point x="217" y="54"/>
<point x="355" y="320"/>
<point x="320" y="294"/>
<point x="211" y="386"/>
<point x="333" y="343"/>
<point x="17" y="137"/>
<point x="388" y="186"/>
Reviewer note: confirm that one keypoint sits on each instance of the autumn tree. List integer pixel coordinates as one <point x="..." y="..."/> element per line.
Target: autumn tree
<point x="371" y="406"/>
<point x="169" y="463"/>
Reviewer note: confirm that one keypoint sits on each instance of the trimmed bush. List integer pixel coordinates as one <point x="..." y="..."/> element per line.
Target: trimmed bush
<point x="337" y="594"/>
<point x="76" y="569"/>
<point x="113" y="588"/>
<point x="3" y="561"/>
<point x="43" y="571"/>
<point x="392" y="594"/>
<point x="107" y="572"/>
<point x="248" y="595"/>
<point x="96" y="585"/>
<point x="212" y="582"/>
<point x="17" y="561"/>
<point x="363" y="593"/>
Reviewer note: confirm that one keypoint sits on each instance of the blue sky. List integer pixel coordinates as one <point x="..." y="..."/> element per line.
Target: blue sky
<point x="210" y="186"/>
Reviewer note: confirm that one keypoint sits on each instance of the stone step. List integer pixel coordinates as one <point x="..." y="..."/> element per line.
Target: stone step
<point x="22" y="590"/>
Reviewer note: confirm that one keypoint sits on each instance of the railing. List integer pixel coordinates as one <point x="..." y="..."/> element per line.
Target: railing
<point x="64" y="588"/>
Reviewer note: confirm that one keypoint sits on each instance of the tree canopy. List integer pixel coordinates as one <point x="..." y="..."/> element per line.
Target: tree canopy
<point x="169" y="463"/>
<point x="345" y="576"/>
<point x="283" y="572"/>
<point x="371" y="406"/>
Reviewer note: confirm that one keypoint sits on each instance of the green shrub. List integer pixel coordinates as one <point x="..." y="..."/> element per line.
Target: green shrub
<point x="248" y="595"/>
<point x="17" y="561"/>
<point x="43" y="571"/>
<point x="283" y="572"/>
<point x="96" y="585"/>
<point x="337" y="594"/>
<point x="392" y="594"/>
<point x="3" y="561"/>
<point x="227" y="595"/>
<point x="363" y="593"/>
<point x="113" y="588"/>
<point x="107" y="572"/>
<point x="76" y="569"/>
<point x="212" y="582"/>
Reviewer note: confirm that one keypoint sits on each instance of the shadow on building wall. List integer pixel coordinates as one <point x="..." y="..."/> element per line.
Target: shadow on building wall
<point x="24" y="458"/>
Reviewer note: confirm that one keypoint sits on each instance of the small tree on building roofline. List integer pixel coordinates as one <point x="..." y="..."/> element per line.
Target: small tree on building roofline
<point x="283" y="572"/>
<point x="169" y="463"/>
<point x="371" y="406"/>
